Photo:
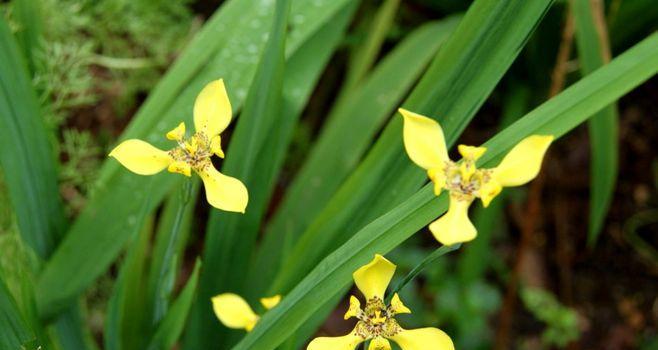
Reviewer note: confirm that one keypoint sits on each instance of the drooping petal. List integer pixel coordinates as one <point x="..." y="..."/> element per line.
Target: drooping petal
<point x="180" y="168"/>
<point x="224" y="192"/>
<point x="212" y="109"/>
<point x="523" y="162"/>
<point x="454" y="226"/>
<point x="423" y="339"/>
<point x="424" y="140"/>
<point x="379" y="343"/>
<point x="234" y="312"/>
<point x="397" y="306"/>
<point x="141" y="157"/>
<point x="373" y="279"/>
<point x="346" y="342"/>
<point x="270" y="302"/>
<point x="355" y="308"/>
<point x="178" y="133"/>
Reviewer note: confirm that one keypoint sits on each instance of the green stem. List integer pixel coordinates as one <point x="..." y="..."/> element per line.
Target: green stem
<point x="443" y="250"/>
<point x="163" y="269"/>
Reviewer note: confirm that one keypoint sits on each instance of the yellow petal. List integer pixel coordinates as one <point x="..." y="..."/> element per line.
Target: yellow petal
<point x="224" y="192"/>
<point x="346" y="342"/>
<point x="379" y="343"/>
<point x="180" y="168"/>
<point x="471" y="152"/>
<point x="397" y="306"/>
<point x="523" y="162"/>
<point x="234" y="312"/>
<point x="216" y="146"/>
<point x="488" y="191"/>
<point x="212" y="109"/>
<point x="178" y="133"/>
<point x="355" y="308"/>
<point x="454" y="226"/>
<point x="438" y="177"/>
<point x="373" y="278"/>
<point x="424" y="140"/>
<point x="423" y="339"/>
<point x="270" y="302"/>
<point x="140" y="157"/>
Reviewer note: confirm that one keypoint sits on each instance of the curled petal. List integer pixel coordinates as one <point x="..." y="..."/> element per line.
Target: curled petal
<point x="234" y="312"/>
<point x="224" y="192"/>
<point x="373" y="279"/>
<point x="454" y="226"/>
<point x="488" y="191"/>
<point x="424" y="140"/>
<point x="212" y="109"/>
<point x="178" y="133"/>
<point x="355" y="308"/>
<point x="141" y="157"/>
<point x="379" y="343"/>
<point x="523" y="162"/>
<point x="397" y="306"/>
<point x="438" y="177"/>
<point x="471" y="152"/>
<point x="270" y="302"/>
<point x="216" y="146"/>
<point x="423" y="339"/>
<point x="346" y="342"/>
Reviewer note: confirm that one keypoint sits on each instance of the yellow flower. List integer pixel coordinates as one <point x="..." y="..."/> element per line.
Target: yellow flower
<point x="212" y="114"/>
<point x="376" y="321"/>
<point x="425" y="144"/>
<point x="235" y="312"/>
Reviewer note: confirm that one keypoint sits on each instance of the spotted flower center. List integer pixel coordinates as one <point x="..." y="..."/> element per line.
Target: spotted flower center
<point x="465" y="180"/>
<point x="376" y="320"/>
<point x="194" y="151"/>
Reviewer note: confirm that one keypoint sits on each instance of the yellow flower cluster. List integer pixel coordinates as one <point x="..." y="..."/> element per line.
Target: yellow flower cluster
<point x="425" y="145"/>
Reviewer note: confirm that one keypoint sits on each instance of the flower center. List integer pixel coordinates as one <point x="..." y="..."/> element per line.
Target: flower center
<point x="195" y="151"/>
<point x="376" y="320"/>
<point x="465" y="180"/>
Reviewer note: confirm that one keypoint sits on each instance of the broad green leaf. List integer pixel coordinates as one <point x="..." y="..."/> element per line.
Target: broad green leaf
<point x="125" y="321"/>
<point x="228" y="46"/>
<point x="594" y="52"/>
<point x="465" y="71"/>
<point x="15" y="330"/>
<point x="171" y="326"/>
<point x="557" y="117"/>
<point x="30" y="26"/>
<point x="352" y="124"/>
<point x="26" y="157"/>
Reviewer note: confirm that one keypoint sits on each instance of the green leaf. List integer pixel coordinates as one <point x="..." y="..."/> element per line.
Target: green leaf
<point x="364" y="55"/>
<point x="594" y="52"/>
<point x="125" y="324"/>
<point x="465" y="71"/>
<point x="25" y="154"/>
<point x="172" y="324"/>
<point x="557" y="116"/>
<point x="325" y="168"/>
<point x="228" y="47"/>
<point x="14" y="331"/>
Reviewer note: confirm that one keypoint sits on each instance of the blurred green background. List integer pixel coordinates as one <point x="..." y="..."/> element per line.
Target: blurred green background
<point x="565" y="262"/>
